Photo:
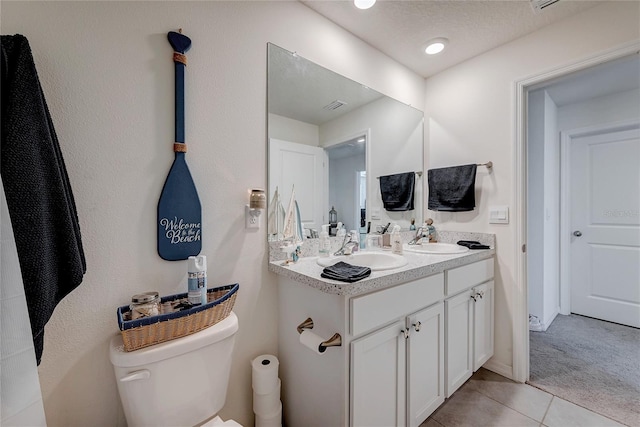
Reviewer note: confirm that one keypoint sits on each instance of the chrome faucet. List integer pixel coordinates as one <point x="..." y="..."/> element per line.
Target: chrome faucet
<point x="347" y="245"/>
<point x="417" y="237"/>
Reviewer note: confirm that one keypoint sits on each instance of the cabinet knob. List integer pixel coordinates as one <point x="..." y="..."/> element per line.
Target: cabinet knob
<point x="417" y="326"/>
<point x="405" y="333"/>
<point x="473" y="297"/>
<point x="480" y="294"/>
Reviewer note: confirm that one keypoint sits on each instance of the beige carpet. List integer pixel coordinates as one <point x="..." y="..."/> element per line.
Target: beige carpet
<point x="589" y="362"/>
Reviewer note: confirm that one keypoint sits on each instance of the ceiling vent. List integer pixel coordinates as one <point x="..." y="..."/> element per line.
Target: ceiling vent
<point x="334" y="105"/>
<point x="539" y="5"/>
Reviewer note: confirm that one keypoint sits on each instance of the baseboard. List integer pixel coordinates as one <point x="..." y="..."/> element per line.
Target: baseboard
<point x="548" y="322"/>
<point x="499" y="368"/>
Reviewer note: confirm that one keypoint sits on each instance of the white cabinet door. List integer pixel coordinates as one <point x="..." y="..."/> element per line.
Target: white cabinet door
<point x="459" y="341"/>
<point x="378" y="384"/>
<point x="482" y="324"/>
<point x="425" y="370"/>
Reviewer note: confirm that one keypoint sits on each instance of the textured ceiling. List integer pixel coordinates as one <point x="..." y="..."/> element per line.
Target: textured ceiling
<point x="400" y="29"/>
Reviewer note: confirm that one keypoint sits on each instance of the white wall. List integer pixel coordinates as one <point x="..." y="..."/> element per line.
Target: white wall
<point x="535" y="201"/>
<point x="107" y="73"/>
<point x="395" y="145"/>
<point x="607" y="109"/>
<point x="543" y="207"/>
<point x="343" y="189"/>
<point x="470" y="118"/>
<point x="551" y="251"/>
<point x="292" y="130"/>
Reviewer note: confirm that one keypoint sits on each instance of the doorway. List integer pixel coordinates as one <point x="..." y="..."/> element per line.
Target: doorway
<point x="347" y="180"/>
<point x="582" y="178"/>
<point x="579" y="145"/>
<point x="522" y="90"/>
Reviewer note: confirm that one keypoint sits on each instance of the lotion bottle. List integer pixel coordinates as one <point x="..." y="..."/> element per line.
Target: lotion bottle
<point x="396" y="240"/>
<point x="325" y="243"/>
<point x="197" y="279"/>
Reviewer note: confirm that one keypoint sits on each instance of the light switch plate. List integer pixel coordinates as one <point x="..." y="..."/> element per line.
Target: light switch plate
<point x="498" y="214"/>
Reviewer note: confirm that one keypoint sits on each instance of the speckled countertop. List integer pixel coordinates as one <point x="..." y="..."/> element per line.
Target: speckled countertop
<point x="307" y="271"/>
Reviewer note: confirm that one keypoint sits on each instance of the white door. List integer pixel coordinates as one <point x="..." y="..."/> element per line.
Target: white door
<point x="459" y="341"/>
<point x="425" y="369"/>
<point x="303" y="166"/>
<point x="378" y="384"/>
<point x="482" y="324"/>
<point x="605" y="221"/>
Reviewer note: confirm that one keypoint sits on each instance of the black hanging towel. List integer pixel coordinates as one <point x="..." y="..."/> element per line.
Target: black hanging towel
<point x="39" y="198"/>
<point x="452" y="189"/>
<point x="397" y="191"/>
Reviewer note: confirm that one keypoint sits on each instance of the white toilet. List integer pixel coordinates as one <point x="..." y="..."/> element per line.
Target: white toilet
<point x="182" y="382"/>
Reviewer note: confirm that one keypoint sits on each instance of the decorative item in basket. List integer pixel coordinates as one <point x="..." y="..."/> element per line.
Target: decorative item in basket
<point x="146" y="331"/>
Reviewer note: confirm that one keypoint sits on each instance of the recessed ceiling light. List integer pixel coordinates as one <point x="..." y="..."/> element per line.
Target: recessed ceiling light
<point x="364" y="4"/>
<point x="436" y="46"/>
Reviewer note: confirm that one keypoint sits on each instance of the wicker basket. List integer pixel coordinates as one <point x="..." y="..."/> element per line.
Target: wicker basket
<point x="148" y="331"/>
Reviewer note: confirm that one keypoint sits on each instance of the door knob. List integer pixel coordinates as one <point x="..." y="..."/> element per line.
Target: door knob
<point x="577" y="233"/>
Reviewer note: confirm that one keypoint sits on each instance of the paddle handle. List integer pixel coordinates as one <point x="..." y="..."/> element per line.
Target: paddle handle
<point x="180" y="44"/>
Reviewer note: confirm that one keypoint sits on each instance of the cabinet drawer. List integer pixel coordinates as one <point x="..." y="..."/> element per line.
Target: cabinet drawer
<point x="376" y="309"/>
<point x="464" y="277"/>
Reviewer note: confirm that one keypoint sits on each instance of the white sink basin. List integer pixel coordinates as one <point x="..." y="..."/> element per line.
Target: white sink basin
<point x="436" y="248"/>
<point x="374" y="260"/>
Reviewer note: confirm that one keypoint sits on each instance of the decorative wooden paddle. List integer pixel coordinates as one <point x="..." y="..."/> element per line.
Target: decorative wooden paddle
<point x="179" y="210"/>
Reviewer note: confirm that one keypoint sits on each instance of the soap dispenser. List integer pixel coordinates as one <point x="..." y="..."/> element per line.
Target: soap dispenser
<point x="325" y="243"/>
<point x="396" y="240"/>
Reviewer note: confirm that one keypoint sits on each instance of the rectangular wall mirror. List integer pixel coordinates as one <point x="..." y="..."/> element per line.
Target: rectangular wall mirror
<point x="330" y="139"/>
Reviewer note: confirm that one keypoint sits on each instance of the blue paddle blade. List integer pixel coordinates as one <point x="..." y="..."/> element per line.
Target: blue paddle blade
<point x="179" y="214"/>
<point x="179" y="42"/>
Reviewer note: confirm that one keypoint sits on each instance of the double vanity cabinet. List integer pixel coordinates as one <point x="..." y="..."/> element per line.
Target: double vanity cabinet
<point x="409" y="340"/>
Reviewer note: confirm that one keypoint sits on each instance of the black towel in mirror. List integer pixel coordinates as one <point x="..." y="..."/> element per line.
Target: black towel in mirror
<point x="452" y="189"/>
<point x="397" y="191"/>
<point x="345" y="272"/>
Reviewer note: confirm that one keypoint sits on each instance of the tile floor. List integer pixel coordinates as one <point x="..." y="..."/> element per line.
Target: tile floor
<point x="489" y="399"/>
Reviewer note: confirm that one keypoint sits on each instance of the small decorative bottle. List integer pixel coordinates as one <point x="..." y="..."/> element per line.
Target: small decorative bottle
<point x="396" y="240"/>
<point x="197" y="279"/>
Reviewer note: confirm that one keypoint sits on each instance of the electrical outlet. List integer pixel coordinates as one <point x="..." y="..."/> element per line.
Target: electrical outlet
<point x="251" y="218"/>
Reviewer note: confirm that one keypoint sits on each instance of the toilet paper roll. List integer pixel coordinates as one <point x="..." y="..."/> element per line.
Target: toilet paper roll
<point x="267" y="404"/>
<point x="265" y="373"/>
<point x="311" y="341"/>
<point x="271" y="420"/>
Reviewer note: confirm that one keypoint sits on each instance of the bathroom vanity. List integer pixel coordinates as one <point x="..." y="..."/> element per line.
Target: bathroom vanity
<point x="410" y="337"/>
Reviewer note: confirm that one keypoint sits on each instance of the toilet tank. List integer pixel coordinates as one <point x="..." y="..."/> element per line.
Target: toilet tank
<point x="181" y="382"/>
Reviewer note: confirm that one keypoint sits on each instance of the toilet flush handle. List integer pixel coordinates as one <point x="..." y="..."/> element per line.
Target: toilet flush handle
<point x="142" y="374"/>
